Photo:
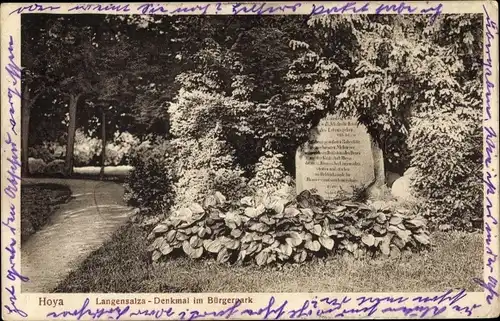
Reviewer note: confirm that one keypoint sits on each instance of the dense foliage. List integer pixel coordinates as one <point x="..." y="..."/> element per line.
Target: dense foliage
<point x="149" y="186"/>
<point x="275" y="227"/>
<point x="232" y="98"/>
<point x="446" y="133"/>
<point x="449" y="169"/>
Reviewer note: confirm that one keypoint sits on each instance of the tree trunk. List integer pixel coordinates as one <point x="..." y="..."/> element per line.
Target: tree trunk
<point x="103" y="151"/>
<point x="25" y="128"/>
<point x="70" y="144"/>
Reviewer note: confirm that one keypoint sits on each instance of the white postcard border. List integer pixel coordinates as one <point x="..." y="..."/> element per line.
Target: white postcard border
<point x="263" y="306"/>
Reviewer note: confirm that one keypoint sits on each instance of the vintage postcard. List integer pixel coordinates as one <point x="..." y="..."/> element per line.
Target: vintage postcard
<point x="265" y="161"/>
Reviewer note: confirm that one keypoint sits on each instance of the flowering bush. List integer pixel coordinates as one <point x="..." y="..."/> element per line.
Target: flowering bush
<point x="119" y="150"/>
<point x="86" y="148"/>
<point x="269" y="228"/>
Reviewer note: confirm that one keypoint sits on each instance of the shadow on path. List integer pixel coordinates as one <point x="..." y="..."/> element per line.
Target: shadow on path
<point x="77" y="228"/>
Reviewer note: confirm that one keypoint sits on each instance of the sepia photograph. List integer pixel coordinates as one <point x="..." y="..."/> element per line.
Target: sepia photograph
<point x="255" y="153"/>
<point x="249" y="160"/>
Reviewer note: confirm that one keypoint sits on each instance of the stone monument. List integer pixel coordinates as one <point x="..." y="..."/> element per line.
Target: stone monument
<point x="340" y="155"/>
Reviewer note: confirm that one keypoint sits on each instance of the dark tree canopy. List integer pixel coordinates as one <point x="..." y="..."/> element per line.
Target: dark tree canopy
<point x="277" y="75"/>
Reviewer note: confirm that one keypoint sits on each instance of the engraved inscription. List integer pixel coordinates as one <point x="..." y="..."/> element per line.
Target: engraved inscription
<point x="337" y="156"/>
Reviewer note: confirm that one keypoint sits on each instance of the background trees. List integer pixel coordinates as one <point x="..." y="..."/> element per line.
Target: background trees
<point x="35" y="73"/>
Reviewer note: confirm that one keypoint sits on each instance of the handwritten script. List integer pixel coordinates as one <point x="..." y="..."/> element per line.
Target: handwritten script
<point x="433" y="10"/>
<point x="13" y="187"/>
<point x="491" y="256"/>
<point x="415" y="307"/>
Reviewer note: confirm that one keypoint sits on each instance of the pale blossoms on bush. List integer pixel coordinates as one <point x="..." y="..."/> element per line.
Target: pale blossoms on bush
<point x="87" y="149"/>
<point x="121" y="147"/>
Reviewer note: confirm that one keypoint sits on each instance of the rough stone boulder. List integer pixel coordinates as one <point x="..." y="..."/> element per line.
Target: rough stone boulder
<point x="401" y="188"/>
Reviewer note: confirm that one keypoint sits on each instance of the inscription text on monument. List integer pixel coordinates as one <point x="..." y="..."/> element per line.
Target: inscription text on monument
<point x="337" y="156"/>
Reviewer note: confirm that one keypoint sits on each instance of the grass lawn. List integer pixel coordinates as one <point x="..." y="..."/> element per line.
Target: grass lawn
<point x="38" y="202"/>
<point x="123" y="265"/>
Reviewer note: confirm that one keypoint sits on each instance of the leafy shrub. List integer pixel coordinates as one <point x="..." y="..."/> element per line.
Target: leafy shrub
<point x="194" y="184"/>
<point x="270" y="174"/>
<point x="36" y="165"/>
<point x="446" y="151"/>
<point x="396" y="153"/>
<point x="149" y="185"/>
<point x="86" y="149"/>
<point x="208" y="152"/>
<point x="48" y="151"/>
<point x="202" y="166"/>
<point x="41" y="152"/>
<point x="56" y="167"/>
<point x="272" y="228"/>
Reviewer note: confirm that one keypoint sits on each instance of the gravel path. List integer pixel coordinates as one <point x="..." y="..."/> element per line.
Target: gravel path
<point x="77" y="228"/>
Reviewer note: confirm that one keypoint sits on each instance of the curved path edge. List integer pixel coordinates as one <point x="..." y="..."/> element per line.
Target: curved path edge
<point x="77" y="228"/>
